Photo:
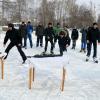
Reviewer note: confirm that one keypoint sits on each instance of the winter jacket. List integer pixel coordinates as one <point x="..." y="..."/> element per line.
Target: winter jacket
<point x="63" y="41"/>
<point x="39" y="31"/>
<point x="23" y="30"/>
<point x="74" y="34"/>
<point x="84" y="35"/>
<point x="67" y="32"/>
<point x="29" y="29"/>
<point x="49" y="33"/>
<point x="93" y="35"/>
<point x="13" y="35"/>
<point x="57" y="30"/>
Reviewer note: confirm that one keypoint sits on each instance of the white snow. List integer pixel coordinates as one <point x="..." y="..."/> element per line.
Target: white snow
<point x="82" y="82"/>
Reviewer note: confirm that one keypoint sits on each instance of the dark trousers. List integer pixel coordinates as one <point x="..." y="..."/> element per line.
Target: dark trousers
<point x="25" y="39"/>
<point x="62" y="49"/>
<point x="39" y="40"/>
<point x="55" y="38"/>
<point x="73" y="44"/>
<point x="46" y="44"/>
<point x="19" y="50"/>
<point x="89" y="47"/>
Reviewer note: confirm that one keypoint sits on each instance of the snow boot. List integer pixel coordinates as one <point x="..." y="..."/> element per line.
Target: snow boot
<point x="24" y="61"/>
<point x="52" y="52"/>
<point x="87" y="59"/>
<point x="84" y="50"/>
<point x="3" y="55"/>
<point x="44" y="53"/>
<point x="95" y="60"/>
<point x="81" y="50"/>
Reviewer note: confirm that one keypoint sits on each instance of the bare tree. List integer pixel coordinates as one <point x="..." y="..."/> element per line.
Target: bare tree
<point x="21" y="11"/>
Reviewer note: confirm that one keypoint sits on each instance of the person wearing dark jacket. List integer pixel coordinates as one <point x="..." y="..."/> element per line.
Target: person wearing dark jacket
<point x="39" y="34"/>
<point x="63" y="41"/>
<point x="15" y="40"/>
<point x="49" y="36"/>
<point x="23" y="33"/>
<point x="93" y="36"/>
<point x="74" y="37"/>
<point x="29" y="33"/>
<point x="83" y="40"/>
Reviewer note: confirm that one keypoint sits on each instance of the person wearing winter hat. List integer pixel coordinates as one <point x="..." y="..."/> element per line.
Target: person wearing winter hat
<point x="63" y="41"/>
<point x="93" y="37"/>
<point x="49" y="36"/>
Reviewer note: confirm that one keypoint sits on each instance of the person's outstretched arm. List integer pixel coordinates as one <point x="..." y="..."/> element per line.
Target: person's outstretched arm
<point x="6" y="38"/>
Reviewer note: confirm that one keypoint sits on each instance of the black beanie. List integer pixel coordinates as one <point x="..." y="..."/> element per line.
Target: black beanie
<point x="95" y="23"/>
<point x="50" y="23"/>
<point x="11" y="25"/>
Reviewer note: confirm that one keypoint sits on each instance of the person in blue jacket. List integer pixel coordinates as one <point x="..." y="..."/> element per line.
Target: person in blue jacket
<point x="29" y="33"/>
<point x="83" y="40"/>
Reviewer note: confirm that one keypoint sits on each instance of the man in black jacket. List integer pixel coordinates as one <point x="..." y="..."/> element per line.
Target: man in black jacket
<point x="93" y="36"/>
<point x="15" y="40"/>
<point x="74" y="37"/>
<point x="39" y="34"/>
<point x="63" y="41"/>
<point x="49" y="35"/>
<point x="23" y="33"/>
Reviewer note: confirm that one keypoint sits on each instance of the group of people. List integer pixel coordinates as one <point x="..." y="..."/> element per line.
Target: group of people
<point x="90" y="36"/>
<point x="25" y="31"/>
<point x="52" y="35"/>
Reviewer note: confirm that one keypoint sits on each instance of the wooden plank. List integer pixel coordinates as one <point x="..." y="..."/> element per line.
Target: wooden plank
<point x="63" y="79"/>
<point x="30" y="78"/>
<point x="2" y="69"/>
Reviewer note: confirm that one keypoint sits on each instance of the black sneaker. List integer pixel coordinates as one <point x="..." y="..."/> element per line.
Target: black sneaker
<point x="41" y="45"/>
<point x="81" y="50"/>
<point x="84" y="51"/>
<point x="24" y="61"/>
<point x="37" y="46"/>
<point x="44" y="53"/>
<point x="52" y="52"/>
<point x="61" y="54"/>
<point x="95" y="60"/>
<point x="87" y="59"/>
<point x="4" y="57"/>
<point x="72" y="48"/>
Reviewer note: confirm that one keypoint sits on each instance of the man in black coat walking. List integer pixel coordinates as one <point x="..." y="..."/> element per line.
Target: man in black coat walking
<point x="74" y="37"/>
<point x="39" y="34"/>
<point x="49" y="36"/>
<point x="23" y="33"/>
<point x="15" y="40"/>
<point x="93" y="35"/>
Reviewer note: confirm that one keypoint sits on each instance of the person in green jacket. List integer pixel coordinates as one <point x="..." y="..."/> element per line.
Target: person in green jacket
<point x="57" y="30"/>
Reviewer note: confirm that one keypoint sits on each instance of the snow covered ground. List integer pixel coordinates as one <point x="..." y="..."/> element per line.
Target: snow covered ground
<point x="82" y="82"/>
